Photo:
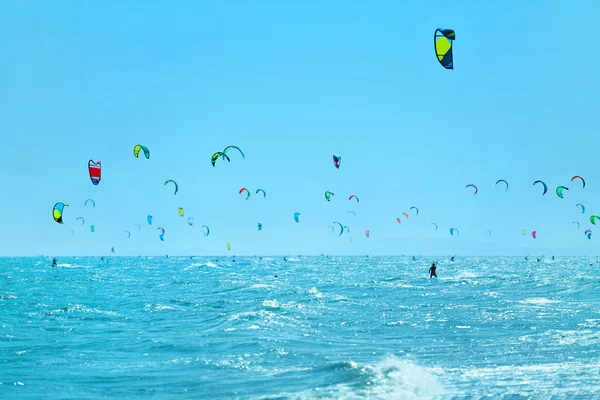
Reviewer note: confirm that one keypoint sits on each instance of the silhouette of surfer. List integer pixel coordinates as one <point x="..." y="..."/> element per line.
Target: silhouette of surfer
<point x="452" y="259"/>
<point x="432" y="271"/>
<point x="54" y="262"/>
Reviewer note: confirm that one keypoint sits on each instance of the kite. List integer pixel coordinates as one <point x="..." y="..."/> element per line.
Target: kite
<point x="82" y="220"/>
<point x="162" y="234"/>
<point x="216" y="156"/>
<point x="353" y="213"/>
<point x="57" y="212"/>
<point x="350" y="239"/>
<point x="473" y="186"/>
<point x="336" y="161"/>
<point x="582" y="207"/>
<point x="92" y="228"/>
<point x="416" y="209"/>
<point x="112" y="249"/>
<point x="138" y="225"/>
<point x="346" y="229"/>
<point x="232" y="147"/>
<point x="174" y="183"/>
<point x="95" y="170"/>
<point x="405" y="214"/>
<point x="332" y="228"/>
<point x="502" y="180"/>
<point x="259" y="226"/>
<point x="545" y="186"/>
<point x="534" y="234"/>
<point x="341" y="227"/>
<point x="354" y="197"/>
<point x="296" y="216"/>
<point x="247" y="192"/>
<point x="593" y="219"/>
<point x="443" y="42"/>
<point x="88" y="200"/>
<point x="180" y="211"/>
<point x="523" y="231"/>
<point x="149" y="219"/>
<point x="367" y="233"/>
<point x="207" y="231"/>
<point x="228" y="246"/>
<point x="72" y="232"/>
<point x="328" y="195"/>
<point x="588" y="233"/>
<point x="578" y="177"/>
<point x="128" y="234"/>
<point x="263" y="192"/>
<point x="489" y="233"/>
<point x="434" y="224"/>
<point x="191" y="221"/>
<point x="138" y="147"/>
<point x="578" y="224"/>
<point x="452" y="230"/>
<point x="399" y="221"/>
<point x="559" y="191"/>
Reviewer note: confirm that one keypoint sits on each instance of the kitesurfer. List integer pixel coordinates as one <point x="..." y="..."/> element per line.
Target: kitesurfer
<point x="432" y="271"/>
<point x="54" y="262"/>
<point x="452" y="259"/>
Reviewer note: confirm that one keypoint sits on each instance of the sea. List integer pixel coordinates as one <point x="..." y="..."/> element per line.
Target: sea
<point x="299" y="328"/>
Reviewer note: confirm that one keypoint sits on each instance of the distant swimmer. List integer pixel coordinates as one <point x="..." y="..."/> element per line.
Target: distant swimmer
<point x="54" y="263"/>
<point x="432" y="271"/>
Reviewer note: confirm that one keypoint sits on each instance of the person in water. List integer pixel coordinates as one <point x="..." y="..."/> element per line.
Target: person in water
<point x="54" y="262"/>
<point x="432" y="271"/>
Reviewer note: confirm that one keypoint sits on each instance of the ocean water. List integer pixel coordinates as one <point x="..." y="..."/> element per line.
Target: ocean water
<point x="339" y="328"/>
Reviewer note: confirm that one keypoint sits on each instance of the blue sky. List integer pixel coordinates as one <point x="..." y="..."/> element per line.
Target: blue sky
<point x="292" y="83"/>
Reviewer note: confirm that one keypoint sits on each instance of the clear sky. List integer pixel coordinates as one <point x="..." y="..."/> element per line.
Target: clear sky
<point x="292" y="83"/>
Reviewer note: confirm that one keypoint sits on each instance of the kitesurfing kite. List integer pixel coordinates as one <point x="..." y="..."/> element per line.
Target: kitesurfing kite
<point x="216" y="156"/>
<point x="247" y="192"/>
<point x="138" y="226"/>
<point x="259" y="226"/>
<point x="405" y="214"/>
<point x="328" y="195"/>
<point x="228" y="246"/>
<point x="72" y="232"/>
<point x="473" y="186"/>
<point x="559" y="191"/>
<point x="452" y="230"/>
<point x="112" y="249"/>
<point x="399" y="220"/>
<point x="149" y="219"/>
<point x="95" y="170"/>
<point x="263" y="192"/>
<point x="332" y="228"/>
<point x="128" y="234"/>
<point x="582" y="207"/>
<point x="443" y="40"/>
<point x="341" y="227"/>
<point x="354" y="197"/>
<point x="346" y="229"/>
<point x="367" y="233"/>
<point x="489" y="233"/>
<point x="90" y="200"/>
<point x="588" y="233"/>
<point x="82" y="220"/>
<point x="174" y="183"/>
<point x="138" y="147"/>
<point x="578" y="224"/>
<point x="523" y="231"/>
<point x="545" y="186"/>
<point x="502" y="180"/>
<point x="593" y="219"/>
<point x="232" y="147"/>
<point x="534" y="234"/>
<point x="578" y="177"/>
<point x="180" y="210"/>
<point x="207" y="231"/>
<point x="416" y="209"/>
<point x="336" y="161"/>
<point x="92" y="228"/>
<point x="162" y="234"/>
<point x="57" y="212"/>
<point x="352" y="212"/>
<point x="434" y="224"/>
<point x="191" y="221"/>
<point x="296" y="216"/>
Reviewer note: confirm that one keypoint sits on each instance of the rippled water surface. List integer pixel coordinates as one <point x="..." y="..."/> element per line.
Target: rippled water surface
<point x="324" y="328"/>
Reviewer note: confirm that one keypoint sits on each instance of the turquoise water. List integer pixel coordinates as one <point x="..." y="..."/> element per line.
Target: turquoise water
<point x="208" y="328"/>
